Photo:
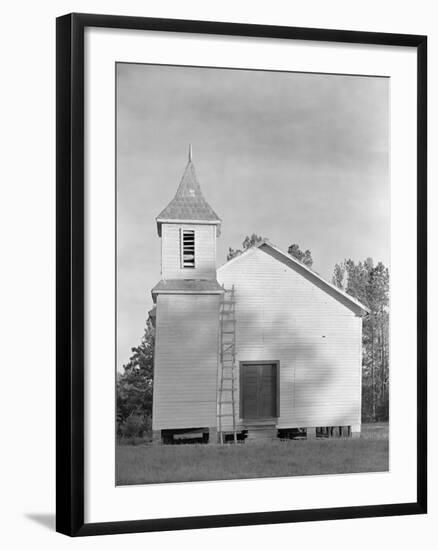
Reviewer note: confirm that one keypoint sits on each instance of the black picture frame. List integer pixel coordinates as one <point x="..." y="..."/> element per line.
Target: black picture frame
<point x="70" y="272"/>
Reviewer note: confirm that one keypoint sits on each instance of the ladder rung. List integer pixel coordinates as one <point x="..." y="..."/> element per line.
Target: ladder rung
<point x="228" y="414"/>
<point x="226" y="402"/>
<point x="228" y="378"/>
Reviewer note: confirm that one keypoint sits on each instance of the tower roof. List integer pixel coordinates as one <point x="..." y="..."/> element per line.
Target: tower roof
<point x="189" y="203"/>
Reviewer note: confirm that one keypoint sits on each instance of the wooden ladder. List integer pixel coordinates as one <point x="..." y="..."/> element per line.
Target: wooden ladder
<point x="226" y="402"/>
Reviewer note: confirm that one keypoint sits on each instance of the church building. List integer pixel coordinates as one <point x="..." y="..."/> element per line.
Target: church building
<point x="259" y="348"/>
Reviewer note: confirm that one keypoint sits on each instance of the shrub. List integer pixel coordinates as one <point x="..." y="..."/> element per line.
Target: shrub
<point x="133" y="441"/>
<point x="135" y="426"/>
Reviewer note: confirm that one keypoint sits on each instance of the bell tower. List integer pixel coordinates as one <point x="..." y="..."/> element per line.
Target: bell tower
<point x="187" y="301"/>
<point x="188" y="228"/>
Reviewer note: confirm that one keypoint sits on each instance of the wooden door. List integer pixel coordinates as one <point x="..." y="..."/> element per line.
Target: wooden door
<point x="258" y="390"/>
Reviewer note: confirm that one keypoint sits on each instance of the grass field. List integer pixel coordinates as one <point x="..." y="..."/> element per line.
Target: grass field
<point x="137" y="464"/>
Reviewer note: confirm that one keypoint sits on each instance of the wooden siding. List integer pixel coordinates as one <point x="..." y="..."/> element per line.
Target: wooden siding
<point x="186" y="356"/>
<point x="281" y="315"/>
<point x="205" y="252"/>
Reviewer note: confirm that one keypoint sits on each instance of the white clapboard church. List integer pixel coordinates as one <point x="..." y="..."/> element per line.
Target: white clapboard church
<point x="261" y="347"/>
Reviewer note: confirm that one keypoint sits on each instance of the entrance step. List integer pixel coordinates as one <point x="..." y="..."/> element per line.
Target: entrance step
<point x="261" y="433"/>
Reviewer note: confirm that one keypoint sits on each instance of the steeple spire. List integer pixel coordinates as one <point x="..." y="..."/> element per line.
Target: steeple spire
<point x="188" y="203"/>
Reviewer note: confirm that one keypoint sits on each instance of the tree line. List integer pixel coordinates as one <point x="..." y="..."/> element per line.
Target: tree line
<point x="369" y="284"/>
<point x="365" y="281"/>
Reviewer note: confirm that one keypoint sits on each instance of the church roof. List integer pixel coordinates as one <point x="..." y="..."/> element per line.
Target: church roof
<point x="187" y="286"/>
<point x="311" y="275"/>
<point x="189" y="203"/>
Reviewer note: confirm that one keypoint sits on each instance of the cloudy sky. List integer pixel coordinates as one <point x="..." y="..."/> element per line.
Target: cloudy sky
<point x="297" y="158"/>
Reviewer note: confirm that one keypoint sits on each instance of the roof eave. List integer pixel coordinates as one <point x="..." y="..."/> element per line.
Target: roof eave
<point x="358" y="305"/>
<point x="155" y="293"/>
<point x="348" y="297"/>
<point x="191" y="222"/>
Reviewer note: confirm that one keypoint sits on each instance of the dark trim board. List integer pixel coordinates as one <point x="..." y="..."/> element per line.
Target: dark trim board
<point x="70" y="272"/>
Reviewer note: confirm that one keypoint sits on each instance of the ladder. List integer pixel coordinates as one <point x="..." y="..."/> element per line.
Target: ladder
<point x="226" y="403"/>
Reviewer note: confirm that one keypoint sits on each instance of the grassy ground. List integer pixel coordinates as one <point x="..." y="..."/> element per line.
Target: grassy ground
<point x="170" y="463"/>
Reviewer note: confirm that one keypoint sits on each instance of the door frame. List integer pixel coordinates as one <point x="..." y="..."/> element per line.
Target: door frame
<point x="276" y="364"/>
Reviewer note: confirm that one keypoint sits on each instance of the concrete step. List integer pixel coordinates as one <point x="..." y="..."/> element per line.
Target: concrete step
<point x="261" y="433"/>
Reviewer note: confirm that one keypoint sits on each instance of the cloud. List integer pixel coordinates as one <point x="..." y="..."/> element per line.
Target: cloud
<point x="294" y="157"/>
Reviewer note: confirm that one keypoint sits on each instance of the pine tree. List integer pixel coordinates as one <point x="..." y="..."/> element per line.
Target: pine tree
<point x="370" y="285"/>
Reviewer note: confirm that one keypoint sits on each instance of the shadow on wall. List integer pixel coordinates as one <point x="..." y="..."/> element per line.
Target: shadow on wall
<point x="307" y="387"/>
<point x="313" y="384"/>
